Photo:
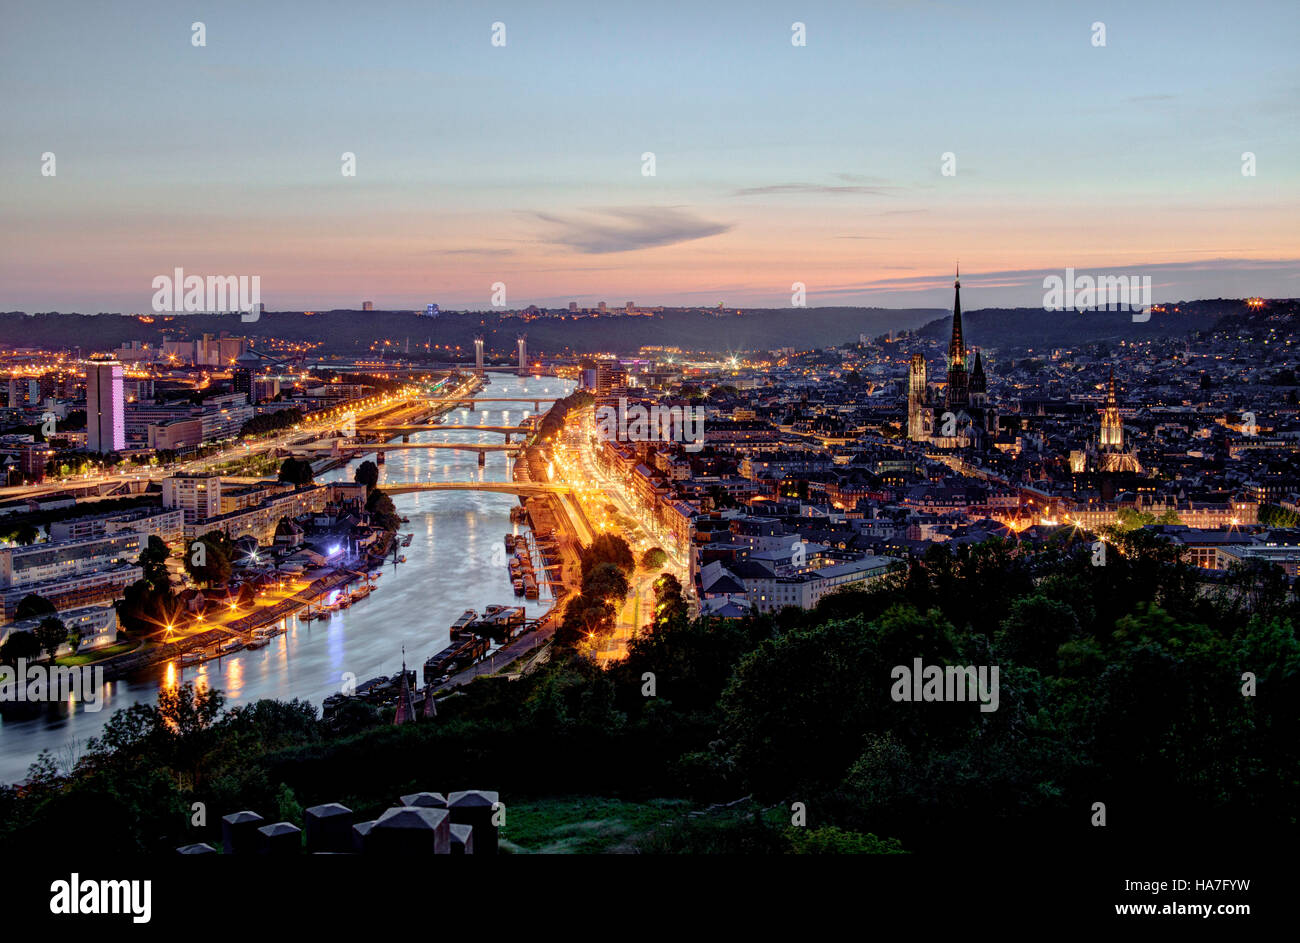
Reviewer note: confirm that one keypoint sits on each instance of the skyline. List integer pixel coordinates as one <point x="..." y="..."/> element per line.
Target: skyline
<point x="523" y="164"/>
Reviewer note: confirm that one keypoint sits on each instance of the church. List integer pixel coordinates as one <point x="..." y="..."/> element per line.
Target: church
<point x="963" y="419"/>
<point x="1107" y="453"/>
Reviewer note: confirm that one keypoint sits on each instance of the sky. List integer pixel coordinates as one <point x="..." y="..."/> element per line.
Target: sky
<point x="523" y="163"/>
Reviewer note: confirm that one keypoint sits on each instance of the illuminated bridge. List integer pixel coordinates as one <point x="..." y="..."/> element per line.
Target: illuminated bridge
<point x="507" y="431"/>
<point x="522" y="488"/>
<point x="471" y="400"/>
<point x="337" y="448"/>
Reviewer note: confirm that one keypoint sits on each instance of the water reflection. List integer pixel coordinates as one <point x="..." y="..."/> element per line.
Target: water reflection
<point x="448" y="570"/>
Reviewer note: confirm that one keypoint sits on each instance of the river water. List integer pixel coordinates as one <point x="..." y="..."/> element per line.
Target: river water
<point x="450" y="567"/>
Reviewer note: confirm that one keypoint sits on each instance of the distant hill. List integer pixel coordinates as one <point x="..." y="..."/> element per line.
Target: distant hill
<point x="352" y="332"/>
<point x="1034" y="327"/>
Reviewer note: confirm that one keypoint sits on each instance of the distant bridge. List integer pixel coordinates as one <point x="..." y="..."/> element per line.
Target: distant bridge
<point x="361" y="447"/>
<point x="471" y="400"/>
<point x="507" y="431"/>
<point x="522" y="488"/>
<point x="336" y="448"/>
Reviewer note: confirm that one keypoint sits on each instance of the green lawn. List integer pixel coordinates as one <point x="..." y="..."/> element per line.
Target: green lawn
<point x="583" y="824"/>
<point x="85" y="658"/>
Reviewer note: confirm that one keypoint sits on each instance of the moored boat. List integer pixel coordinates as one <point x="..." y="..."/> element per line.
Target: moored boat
<point x="466" y="617"/>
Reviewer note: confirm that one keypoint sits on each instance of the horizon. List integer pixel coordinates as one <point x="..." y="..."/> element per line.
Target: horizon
<point x="945" y="311"/>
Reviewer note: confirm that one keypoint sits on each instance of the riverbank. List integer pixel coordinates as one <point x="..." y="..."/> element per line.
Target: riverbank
<point x="453" y="564"/>
<point x="560" y="549"/>
<point x="118" y="666"/>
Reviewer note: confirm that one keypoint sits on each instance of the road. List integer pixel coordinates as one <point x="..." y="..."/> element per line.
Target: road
<point x="410" y="401"/>
<point x="595" y="491"/>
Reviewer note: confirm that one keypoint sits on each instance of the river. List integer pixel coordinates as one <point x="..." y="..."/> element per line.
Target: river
<point x="448" y="569"/>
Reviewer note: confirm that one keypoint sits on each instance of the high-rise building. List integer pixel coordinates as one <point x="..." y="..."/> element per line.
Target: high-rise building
<point x="610" y="375"/>
<point x="105" y="406"/>
<point x="241" y="377"/>
<point x="198" y="495"/>
<point x="367" y="306"/>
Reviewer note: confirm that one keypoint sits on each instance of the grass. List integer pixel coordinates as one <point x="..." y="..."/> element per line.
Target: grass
<point x="584" y="824"/>
<point x="85" y="658"/>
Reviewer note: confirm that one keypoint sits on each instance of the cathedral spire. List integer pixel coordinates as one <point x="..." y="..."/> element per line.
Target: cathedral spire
<point x="956" y="394"/>
<point x="957" y="346"/>
<point x="1112" y="426"/>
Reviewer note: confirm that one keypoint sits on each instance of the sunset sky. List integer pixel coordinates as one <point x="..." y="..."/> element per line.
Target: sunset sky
<point x="523" y="163"/>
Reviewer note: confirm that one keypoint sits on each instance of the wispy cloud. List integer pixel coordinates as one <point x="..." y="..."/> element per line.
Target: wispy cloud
<point x="811" y="189"/>
<point x="626" y="230"/>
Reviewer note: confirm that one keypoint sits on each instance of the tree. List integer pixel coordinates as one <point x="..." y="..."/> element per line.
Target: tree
<point x="145" y="608"/>
<point x="605" y="581"/>
<point x="653" y="558"/>
<point x="153" y="560"/>
<point x="670" y="606"/>
<point x="33" y="606"/>
<point x="608" y="548"/>
<point x="296" y="471"/>
<point x="24" y="534"/>
<point x="367" y="474"/>
<point x="50" y="634"/>
<point x="207" y="560"/>
<point x="584" y="616"/>
<point x="19" y="645"/>
<point x="382" y="511"/>
<point x="1034" y="629"/>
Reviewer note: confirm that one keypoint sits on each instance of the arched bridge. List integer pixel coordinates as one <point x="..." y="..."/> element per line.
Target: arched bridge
<point x="507" y="431"/>
<point x="336" y="448"/>
<point x="522" y="488"/>
<point x="479" y="398"/>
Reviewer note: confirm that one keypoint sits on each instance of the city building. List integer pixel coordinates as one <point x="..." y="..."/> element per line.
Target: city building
<point x="105" y="406"/>
<point x="196" y="495"/>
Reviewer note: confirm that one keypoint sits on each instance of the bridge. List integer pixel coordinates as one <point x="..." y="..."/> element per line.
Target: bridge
<point x="108" y="486"/>
<point x="471" y="400"/>
<point x="507" y="431"/>
<point x="364" y="448"/>
<point x="521" y="488"/>
<point x="338" y="447"/>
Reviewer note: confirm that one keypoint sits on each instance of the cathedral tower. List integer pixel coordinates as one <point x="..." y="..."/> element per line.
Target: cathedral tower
<point x="957" y="395"/>
<point x="916" y="399"/>
<point x="1112" y="427"/>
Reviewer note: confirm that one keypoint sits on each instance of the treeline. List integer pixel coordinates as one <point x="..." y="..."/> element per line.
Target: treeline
<point x="1125" y="689"/>
<point x="271" y="422"/>
<point x="553" y="422"/>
